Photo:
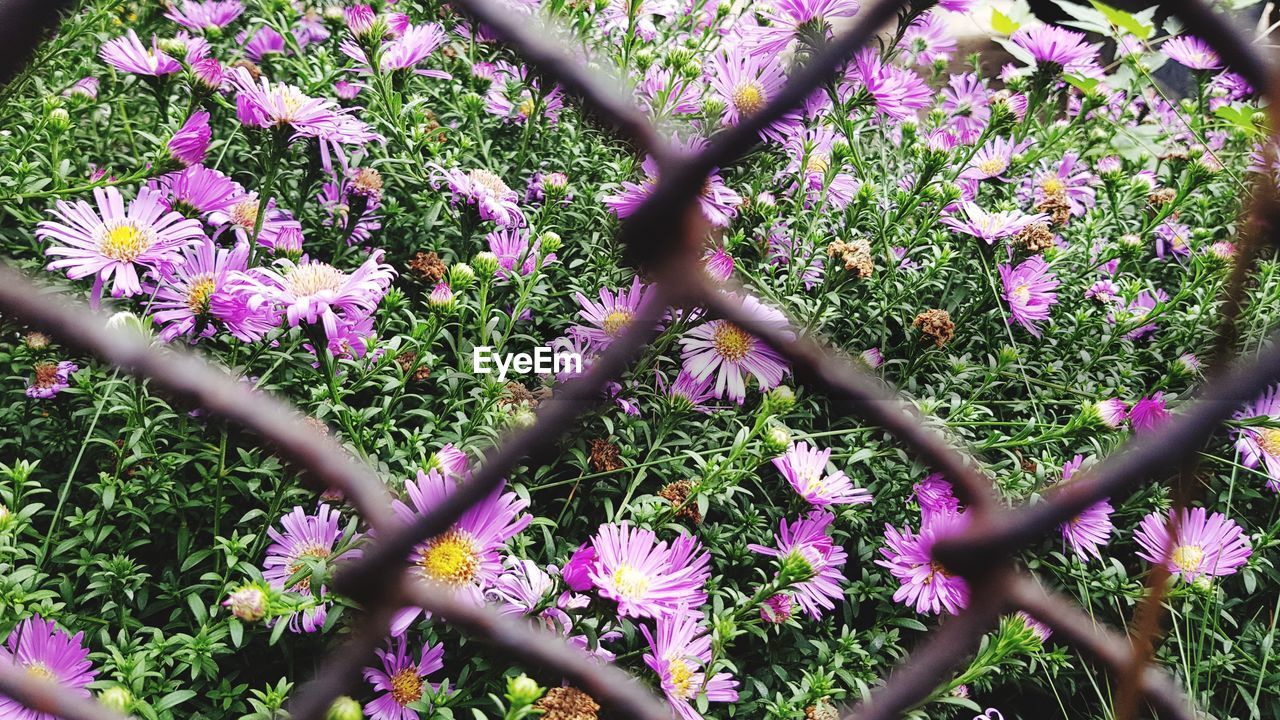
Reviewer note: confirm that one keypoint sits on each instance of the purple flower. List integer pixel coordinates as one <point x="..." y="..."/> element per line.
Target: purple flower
<point x="665" y="92"/>
<point x="1259" y="445"/>
<point x="936" y="497"/>
<point x="201" y="16"/>
<point x="925" y="585"/>
<point x="679" y="653"/>
<point x="511" y="245"/>
<point x="38" y="647"/>
<point x="86" y="87"/>
<point x="263" y="42"/>
<point x="400" y="679"/>
<point x="608" y="319"/>
<point x="127" y="54"/>
<point x="1172" y="238"/>
<point x="1059" y="49"/>
<point x="206" y="290"/>
<point x="805" y="468"/>
<point x="968" y="106"/>
<point x="688" y="392"/>
<point x="787" y="18"/>
<point x="809" y="154"/>
<point x="1029" y="291"/>
<point x="464" y="559"/>
<point x="1037" y="628"/>
<point x="896" y="93"/>
<point x="189" y="145"/>
<point x="1148" y="413"/>
<point x="990" y="226"/>
<point x="993" y="159"/>
<point x="776" y="609"/>
<point x="306" y="538"/>
<point x="1142" y="308"/>
<point x="315" y="292"/>
<point x="872" y="357"/>
<point x="1207" y="545"/>
<point x="486" y="191"/>
<point x="114" y="242"/>
<point x="636" y="16"/>
<point x="1112" y="412"/>
<point x="263" y="105"/>
<point x="718" y="264"/>
<point x="1070" y="180"/>
<point x="745" y="83"/>
<point x="806" y="543"/>
<point x="728" y="352"/>
<point x="577" y="572"/>
<point x="1192" y="52"/>
<point x="718" y="203"/>
<point x="516" y="95"/>
<point x="648" y="577"/>
<point x="784" y="249"/>
<point x="50" y="379"/>
<point x="927" y="41"/>
<point x="1103" y="291"/>
<point x="1091" y="529"/>
<point x="414" y="45"/>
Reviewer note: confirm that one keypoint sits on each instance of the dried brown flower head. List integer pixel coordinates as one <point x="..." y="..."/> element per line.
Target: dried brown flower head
<point x="407" y="361"/>
<point x="255" y="72"/>
<point x="1034" y="238"/>
<point x="1057" y="206"/>
<point x="36" y="340"/>
<point x="428" y="266"/>
<point x="1161" y="197"/>
<point x="567" y="703"/>
<point x="935" y="325"/>
<point x="856" y="255"/>
<point x="678" y="494"/>
<point x="821" y="710"/>
<point x="515" y="394"/>
<point x="604" y="456"/>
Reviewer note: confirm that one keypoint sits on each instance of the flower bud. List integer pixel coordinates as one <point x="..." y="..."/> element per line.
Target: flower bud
<point x="485" y="264"/>
<point x="441" y="297"/>
<point x="249" y="603"/>
<point x="780" y="399"/>
<point x="776" y="439"/>
<point x="118" y="698"/>
<point x="208" y="73"/>
<point x="523" y="690"/>
<point x="7" y="519"/>
<point x="549" y="242"/>
<point x="344" y="708"/>
<point x="461" y="276"/>
<point x="59" y="119"/>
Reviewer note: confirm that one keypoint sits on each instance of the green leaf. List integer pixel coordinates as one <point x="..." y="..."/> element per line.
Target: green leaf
<point x="177" y="697"/>
<point x="1123" y="20"/>
<point x="1002" y="23"/>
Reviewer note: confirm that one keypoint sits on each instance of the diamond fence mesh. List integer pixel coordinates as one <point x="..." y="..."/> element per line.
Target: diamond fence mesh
<point x="664" y="237"/>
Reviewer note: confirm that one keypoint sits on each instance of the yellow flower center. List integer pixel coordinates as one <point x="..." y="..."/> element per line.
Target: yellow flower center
<point x="1021" y="293"/>
<point x="311" y="552"/>
<point x="1188" y="557"/>
<point x="749" y="97"/>
<point x="681" y="678"/>
<point x="1052" y="186"/>
<point x="313" y="278"/>
<point x="450" y="559"/>
<point x="123" y="241"/>
<point x="731" y="341"/>
<point x="616" y="321"/>
<point x="406" y="686"/>
<point x="245" y="213"/>
<point x="993" y="166"/>
<point x="1269" y="440"/>
<point x="40" y="670"/>
<point x="198" y="293"/>
<point x="630" y="582"/>
<point x="526" y="107"/>
<point x="818" y="163"/>
<point x="490" y="182"/>
<point x="291" y="100"/>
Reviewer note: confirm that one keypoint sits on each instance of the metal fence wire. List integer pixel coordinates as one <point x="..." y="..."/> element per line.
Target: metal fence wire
<point x="664" y="238"/>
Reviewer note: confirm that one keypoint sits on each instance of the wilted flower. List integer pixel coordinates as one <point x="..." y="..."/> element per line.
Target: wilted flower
<point x="50" y="379"/>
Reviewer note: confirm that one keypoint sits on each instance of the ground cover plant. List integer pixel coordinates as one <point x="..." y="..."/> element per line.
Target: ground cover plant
<point x="360" y="208"/>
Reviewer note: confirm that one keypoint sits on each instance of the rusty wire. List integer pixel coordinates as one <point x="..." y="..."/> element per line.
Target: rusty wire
<point x="664" y="236"/>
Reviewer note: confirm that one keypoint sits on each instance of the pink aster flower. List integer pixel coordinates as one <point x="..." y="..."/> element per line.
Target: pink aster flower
<point x="485" y="191"/>
<point x="927" y="41"/>
<point x="636" y="16"/>
<point x="1172" y="238"/>
<point x="1058" y="49"/>
<point x="264" y="105"/>
<point x="718" y="203"/>
<point x="189" y="145"/>
<point x="968" y="106"/>
<point x="665" y="92"/>
<point x="807" y="543"/>
<point x="936" y="497"/>
<point x="1112" y="412"/>
<point x="809" y="154"/>
<point x="515" y="253"/>
<point x="1029" y="291"/>
<point x="1192" y="52"/>
<point x="208" y="290"/>
<point x="895" y="92"/>
<point x="400" y="679"/>
<point x="993" y="159"/>
<point x="197" y="191"/>
<point x="112" y="241"/>
<point x="1070" y="180"/>
<point x="1260" y="445"/>
<point x="718" y="264"/>
<point x="1103" y="291"/>
<point x="127" y="54"/>
<point x="990" y="226"/>
<point x="86" y="87"/>
<point x="687" y="392"/>
<point x="241" y="216"/>
<point x="1149" y="413"/>
<point x="648" y="577"/>
<point x="50" y="379"/>
<point x="1037" y="628"/>
<point x="516" y="95"/>
<point x="776" y="609"/>
<point x="745" y="83"/>
<point x="787" y="18"/>
<point x="679" y="653"/>
<point x="263" y="42"/>
<point x="805" y="468"/>
<point x="40" y="648"/>
<point x="925" y="585"/>
<point x="1140" y="309"/>
<point x="464" y="559"/>
<point x="1207" y="545"/>
<point x="610" y="317"/>
<point x="315" y="292"/>
<point x="577" y="572"/>
<point x="414" y="45"/>
<point x="786" y="250"/>
<point x="1091" y="529"/>
<point x="728" y="352"/>
<point x="201" y="16"/>
<point x="306" y="538"/>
